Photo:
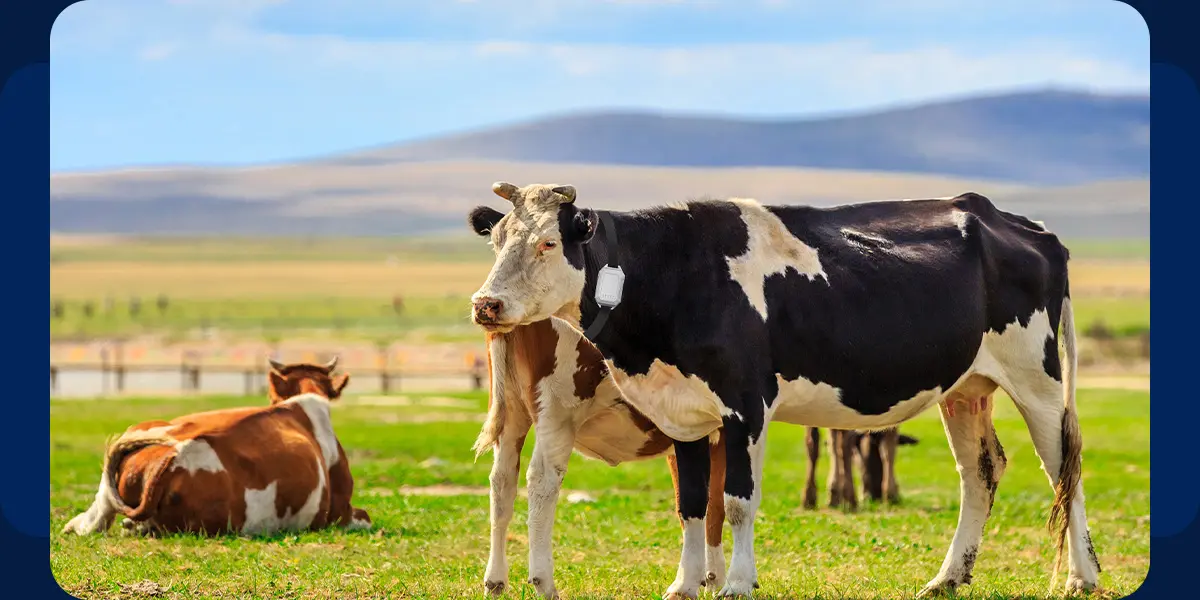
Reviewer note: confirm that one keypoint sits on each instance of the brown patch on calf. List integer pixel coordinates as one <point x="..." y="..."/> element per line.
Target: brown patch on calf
<point x="533" y="349"/>
<point x="591" y="370"/>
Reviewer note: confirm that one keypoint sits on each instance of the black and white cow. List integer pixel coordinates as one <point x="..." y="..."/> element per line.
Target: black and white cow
<point x="734" y="314"/>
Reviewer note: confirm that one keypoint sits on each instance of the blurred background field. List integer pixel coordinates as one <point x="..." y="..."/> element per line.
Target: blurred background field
<point x="380" y="303"/>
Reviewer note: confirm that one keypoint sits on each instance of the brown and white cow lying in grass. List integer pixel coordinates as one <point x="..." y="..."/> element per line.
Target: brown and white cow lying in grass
<point x="254" y="470"/>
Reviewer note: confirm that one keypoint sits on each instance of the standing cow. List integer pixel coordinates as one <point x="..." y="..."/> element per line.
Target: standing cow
<point x="250" y="470"/>
<point x="732" y="314"/>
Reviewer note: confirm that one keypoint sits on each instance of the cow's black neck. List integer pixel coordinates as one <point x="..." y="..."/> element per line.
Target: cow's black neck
<point x="622" y="338"/>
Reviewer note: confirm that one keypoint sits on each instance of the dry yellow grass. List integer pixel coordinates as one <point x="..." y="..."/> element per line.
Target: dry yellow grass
<point x="255" y="280"/>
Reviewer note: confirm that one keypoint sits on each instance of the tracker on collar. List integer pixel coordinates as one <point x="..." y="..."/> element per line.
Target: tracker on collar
<point x="610" y="280"/>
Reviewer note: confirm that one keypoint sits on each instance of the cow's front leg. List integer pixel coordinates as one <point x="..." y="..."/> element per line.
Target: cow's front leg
<point x="692" y="464"/>
<point x="547" y="467"/>
<point x="744" y="445"/>
<point x="506" y="468"/>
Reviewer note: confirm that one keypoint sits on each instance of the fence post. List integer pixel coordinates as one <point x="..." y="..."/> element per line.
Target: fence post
<point x="104" y="370"/>
<point x="249" y="382"/>
<point x="120" y="366"/>
<point x="53" y="379"/>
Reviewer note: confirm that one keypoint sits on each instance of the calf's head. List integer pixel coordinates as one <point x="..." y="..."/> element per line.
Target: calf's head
<point x="539" y="248"/>
<point x="287" y="381"/>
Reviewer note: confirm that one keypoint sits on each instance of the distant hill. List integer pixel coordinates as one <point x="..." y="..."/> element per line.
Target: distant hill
<point x="1079" y="161"/>
<point x="1043" y="137"/>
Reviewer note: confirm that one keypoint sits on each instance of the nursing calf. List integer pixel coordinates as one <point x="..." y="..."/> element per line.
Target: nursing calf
<point x="249" y="470"/>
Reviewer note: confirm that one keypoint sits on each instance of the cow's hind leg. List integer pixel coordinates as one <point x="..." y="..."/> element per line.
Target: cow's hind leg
<point x="506" y="465"/>
<point x="99" y="516"/>
<point x="981" y="463"/>
<point x="1055" y="432"/>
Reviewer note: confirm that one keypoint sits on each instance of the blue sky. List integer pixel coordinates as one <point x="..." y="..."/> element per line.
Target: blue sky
<point x="152" y="82"/>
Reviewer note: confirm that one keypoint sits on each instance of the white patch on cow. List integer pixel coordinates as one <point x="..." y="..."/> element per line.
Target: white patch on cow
<point x="691" y="561"/>
<point x="317" y="409"/>
<point x="771" y="250"/>
<point x="99" y="516"/>
<point x="196" y="455"/>
<point x="960" y="221"/>
<point x="684" y="408"/>
<point x="358" y="525"/>
<point x="262" y="518"/>
<point x="684" y="206"/>
<point x="802" y="402"/>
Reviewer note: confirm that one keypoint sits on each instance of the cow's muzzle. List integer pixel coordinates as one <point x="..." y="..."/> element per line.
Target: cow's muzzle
<point x="486" y="311"/>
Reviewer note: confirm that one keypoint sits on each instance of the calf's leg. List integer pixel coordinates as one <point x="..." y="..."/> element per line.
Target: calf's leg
<point x="547" y="468"/>
<point x="506" y="465"/>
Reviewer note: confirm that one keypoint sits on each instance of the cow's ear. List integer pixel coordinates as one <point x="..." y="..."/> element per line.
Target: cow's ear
<point x="583" y="226"/>
<point x="278" y="387"/>
<point x="483" y="219"/>
<point x="339" y="384"/>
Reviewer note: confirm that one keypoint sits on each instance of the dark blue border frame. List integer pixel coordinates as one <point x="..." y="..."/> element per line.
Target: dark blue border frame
<point x="24" y="177"/>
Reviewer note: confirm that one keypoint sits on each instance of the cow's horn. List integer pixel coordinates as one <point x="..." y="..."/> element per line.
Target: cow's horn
<point x="276" y="365"/>
<point x="505" y="190"/>
<point x="331" y="364"/>
<point x="566" y="191"/>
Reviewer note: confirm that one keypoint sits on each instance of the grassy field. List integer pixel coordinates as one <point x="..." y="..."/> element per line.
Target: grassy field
<point x="344" y="287"/>
<point x="624" y="545"/>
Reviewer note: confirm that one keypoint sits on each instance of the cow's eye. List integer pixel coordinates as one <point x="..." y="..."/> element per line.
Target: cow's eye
<point x="547" y="245"/>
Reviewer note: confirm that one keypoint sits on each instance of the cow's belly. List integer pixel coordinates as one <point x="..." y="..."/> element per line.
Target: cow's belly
<point x="803" y="402"/>
<point x="684" y="408"/>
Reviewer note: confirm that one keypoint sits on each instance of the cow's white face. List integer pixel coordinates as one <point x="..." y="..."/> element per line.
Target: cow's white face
<point x="539" y="266"/>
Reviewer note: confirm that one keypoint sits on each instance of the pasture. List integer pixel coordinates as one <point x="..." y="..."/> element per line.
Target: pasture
<point x="344" y="288"/>
<point x="415" y="475"/>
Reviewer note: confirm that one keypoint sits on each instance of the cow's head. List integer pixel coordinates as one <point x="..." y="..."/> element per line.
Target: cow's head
<point x="539" y="266"/>
<point x="287" y="381"/>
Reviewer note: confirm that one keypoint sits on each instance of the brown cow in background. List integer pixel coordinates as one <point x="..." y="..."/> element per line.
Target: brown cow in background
<point x="252" y="470"/>
<point x="874" y="452"/>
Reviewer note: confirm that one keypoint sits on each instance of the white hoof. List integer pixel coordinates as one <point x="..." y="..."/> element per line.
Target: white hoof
<point x="737" y="588"/>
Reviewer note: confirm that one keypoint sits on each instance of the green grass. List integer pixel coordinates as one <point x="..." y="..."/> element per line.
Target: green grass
<point x="342" y="318"/>
<point x="627" y="543"/>
<point x="1125" y="249"/>
<point x="1123" y="316"/>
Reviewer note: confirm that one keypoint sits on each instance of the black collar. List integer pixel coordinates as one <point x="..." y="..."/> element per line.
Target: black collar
<point x="610" y="280"/>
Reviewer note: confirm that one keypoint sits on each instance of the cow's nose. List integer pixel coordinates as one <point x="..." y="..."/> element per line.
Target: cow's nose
<point x="487" y="310"/>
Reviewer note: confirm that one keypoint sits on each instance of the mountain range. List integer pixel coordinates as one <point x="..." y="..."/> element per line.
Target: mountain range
<point x="1079" y="160"/>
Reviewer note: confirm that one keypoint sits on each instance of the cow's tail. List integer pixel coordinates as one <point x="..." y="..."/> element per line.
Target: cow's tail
<point x="152" y="488"/>
<point x="497" y="411"/>
<point x="1072" y="443"/>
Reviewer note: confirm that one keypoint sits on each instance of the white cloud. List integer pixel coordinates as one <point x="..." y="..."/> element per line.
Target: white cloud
<point x="157" y="52"/>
